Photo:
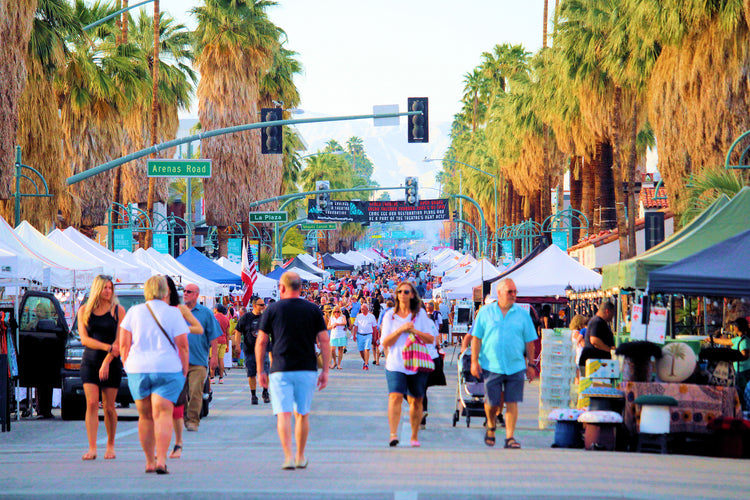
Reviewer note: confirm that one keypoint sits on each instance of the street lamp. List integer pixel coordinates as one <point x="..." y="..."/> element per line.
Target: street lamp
<point x="494" y="179"/>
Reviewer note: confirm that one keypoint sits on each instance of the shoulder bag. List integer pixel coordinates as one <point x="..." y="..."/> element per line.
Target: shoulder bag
<point x="182" y="398"/>
<point x="415" y="355"/>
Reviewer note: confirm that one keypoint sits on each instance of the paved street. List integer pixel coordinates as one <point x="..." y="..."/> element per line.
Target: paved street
<point x="236" y="454"/>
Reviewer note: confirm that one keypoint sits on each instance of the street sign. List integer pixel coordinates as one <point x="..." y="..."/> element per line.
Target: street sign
<point x="268" y="217"/>
<point x="320" y="226"/>
<point x="179" y="168"/>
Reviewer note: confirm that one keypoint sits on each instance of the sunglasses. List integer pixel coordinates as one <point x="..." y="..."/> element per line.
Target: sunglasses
<point x="189" y="291"/>
<point x="260" y="305"/>
<point x="404" y="292"/>
<point x="105" y="277"/>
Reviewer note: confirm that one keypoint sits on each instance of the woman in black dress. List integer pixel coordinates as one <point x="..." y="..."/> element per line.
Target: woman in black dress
<point x="101" y="370"/>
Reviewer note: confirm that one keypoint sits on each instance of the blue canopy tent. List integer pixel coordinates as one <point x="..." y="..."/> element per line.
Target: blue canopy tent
<point x="205" y="267"/>
<point x="276" y="273"/>
<point x="719" y="270"/>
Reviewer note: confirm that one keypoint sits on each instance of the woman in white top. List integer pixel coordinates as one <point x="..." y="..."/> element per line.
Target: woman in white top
<point x="407" y="316"/>
<point x="154" y="349"/>
<point x="337" y="326"/>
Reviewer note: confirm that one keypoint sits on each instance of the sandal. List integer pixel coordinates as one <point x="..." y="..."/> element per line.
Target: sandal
<point x="162" y="470"/>
<point x="176" y="451"/>
<point x="489" y="440"/>
<point x="394" y="441"/>
<point x="512" y="443"/>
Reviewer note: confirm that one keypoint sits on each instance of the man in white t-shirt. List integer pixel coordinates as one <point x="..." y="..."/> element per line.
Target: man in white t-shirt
<point x="365" y="326"/>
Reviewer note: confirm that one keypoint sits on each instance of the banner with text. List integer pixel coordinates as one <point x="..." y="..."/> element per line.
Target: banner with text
<point x="378" y="211"/>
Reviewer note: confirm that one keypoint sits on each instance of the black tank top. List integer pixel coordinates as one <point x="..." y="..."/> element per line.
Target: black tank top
<point x="104" y="329"/>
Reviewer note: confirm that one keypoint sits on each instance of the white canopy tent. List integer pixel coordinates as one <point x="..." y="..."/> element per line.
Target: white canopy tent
<point x="305" y="275"/>
<point x="346" y="259"/>
<point x="549" y="273"/>
<point x="446" y="263"/>
<point x="82" y="246"/>
<point x="232" y="267"/>
<point x="15" y="265"/>
<point x="463" y="287"/>
<point x="65" y="269"/>
<point x="372" y="254"/>
<point x="363" y="259"/>
<point x="465" y="265"/>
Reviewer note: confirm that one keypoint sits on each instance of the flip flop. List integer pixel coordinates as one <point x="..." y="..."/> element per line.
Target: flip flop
<point x="394" y="441"/>
<point x="88" y="456"/>
<point x="415" y="443"/>
<point x="162" y="470"/>
<point x="489" y="440"/>
<point x="512" y="444"/>
<point x="301" y="464"/>
<point x="176" y="451"/>
<point x="288" y="465"/>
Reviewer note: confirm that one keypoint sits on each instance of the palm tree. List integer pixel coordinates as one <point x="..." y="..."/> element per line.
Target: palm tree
<point x="98" y="84"/>
<point x="704" y="188"/>
<point x="175" y="87"/>
<point x="39" y="131"/>
<point x="15" y="30"/>
<point x="234" y="47"/>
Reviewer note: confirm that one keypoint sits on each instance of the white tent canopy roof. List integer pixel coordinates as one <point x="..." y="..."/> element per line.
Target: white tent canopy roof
<point x="65" y="270"/>
<point x="82" y="246"/>
<point x="16" y="265"/>
<point x="463" y="287"/>
<point x="549" y="273"/>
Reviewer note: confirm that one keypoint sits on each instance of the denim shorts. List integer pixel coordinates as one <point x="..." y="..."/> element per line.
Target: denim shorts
<point x="408" y="385"/>
<point x="496" y="384"/>
<point x="167" y="385"/>
<point x="251" y="366"/>
<point x="292" y="391"/>
<point x="364" y="341"/>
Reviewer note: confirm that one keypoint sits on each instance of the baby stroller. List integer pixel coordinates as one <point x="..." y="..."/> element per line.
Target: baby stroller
<point x="469" y="392"/>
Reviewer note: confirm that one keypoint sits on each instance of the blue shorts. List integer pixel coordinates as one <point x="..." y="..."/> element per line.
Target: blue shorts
<point x="167" y="385"/>
<point x="408" y="385"/>
<point x="292" y="391"/>
<point x="496" y="384"/>
<point x="364" y="341"/>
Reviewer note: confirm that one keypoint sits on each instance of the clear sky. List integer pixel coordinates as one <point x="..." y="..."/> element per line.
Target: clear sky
<point x="358" y="53"/>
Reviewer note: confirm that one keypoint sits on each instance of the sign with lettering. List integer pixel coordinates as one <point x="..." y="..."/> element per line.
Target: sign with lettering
<point x="317" y="226"/>
<point x="161" y="242"/>
<point x="268" y="217"/>
<point x="378" y="211"/>
<point x="179" y="168"/>
<point x="122" y="240"/>
<point x="234" y="250"/>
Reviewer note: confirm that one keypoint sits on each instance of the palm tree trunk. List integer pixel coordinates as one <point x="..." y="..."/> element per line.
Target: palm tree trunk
<point x="604" y="189"/>
<point x="576" y="187"/>
<point x="154" y="114"/>
<point x="16" y="19"/>
<point x="588" y="181"/>
<point x="622" y="227"/>
<point x="114" y="214"/>
<point x="632" y="207"/>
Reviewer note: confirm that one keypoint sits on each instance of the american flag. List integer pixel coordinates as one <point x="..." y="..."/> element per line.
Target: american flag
<point x="249" y="273"/>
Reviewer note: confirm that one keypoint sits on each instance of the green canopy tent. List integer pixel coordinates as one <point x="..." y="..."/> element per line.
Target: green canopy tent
<point x="722" y="220"/>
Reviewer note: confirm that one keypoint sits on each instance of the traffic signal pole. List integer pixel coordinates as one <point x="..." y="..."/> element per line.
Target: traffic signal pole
<point x="222" y="131"/>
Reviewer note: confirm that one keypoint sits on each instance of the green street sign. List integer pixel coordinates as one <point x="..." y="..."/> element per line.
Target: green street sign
<point x="179" y="168"/>
<point x="322" y="226"/>
<point x="268" y="217"/>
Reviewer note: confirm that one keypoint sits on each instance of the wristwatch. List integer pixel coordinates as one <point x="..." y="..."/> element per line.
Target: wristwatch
<point x="109" y="351"/>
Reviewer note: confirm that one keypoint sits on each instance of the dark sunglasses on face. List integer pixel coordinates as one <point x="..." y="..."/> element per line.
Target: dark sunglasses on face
<point x="405" y="292"/>
<point x="105" y="277"/>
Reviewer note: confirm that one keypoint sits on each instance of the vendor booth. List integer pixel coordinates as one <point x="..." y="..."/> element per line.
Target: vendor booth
<point x="205" y="267"/>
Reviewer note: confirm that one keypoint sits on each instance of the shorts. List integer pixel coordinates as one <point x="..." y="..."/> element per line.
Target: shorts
<point x="222" y="350"/>
<point x="178" y="412"/>
<point x="409" y="385"/>
<point x="167" y="385"/>
<point x="292" y="391"/>
<point x="364" y="341"/>
<point x="339" y="342"/>
<point x="250" y="364"/>
<point x="496" y="384"/>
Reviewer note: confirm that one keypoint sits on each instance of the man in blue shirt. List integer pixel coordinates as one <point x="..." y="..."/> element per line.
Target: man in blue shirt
<point x="198" y="363"/>
<point x="502" y="349"/>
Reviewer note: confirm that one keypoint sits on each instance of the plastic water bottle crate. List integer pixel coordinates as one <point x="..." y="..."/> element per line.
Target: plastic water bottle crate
<point x="557" y="374"/>
<point x="554" y="393"/>
<point x="558" y="356"/>
<point x="549" y="404"/>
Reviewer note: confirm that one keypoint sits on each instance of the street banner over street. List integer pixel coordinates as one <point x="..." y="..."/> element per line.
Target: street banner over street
<point x="378" y="211"/>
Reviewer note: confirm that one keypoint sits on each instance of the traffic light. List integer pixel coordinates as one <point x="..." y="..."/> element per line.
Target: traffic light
<point x="412" y="194"/>
<point x="270" y="137"/>
<point x="418" y="124"/>
<point x="323" y="198"/>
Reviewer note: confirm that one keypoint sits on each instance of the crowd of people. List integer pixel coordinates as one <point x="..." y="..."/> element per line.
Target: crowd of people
<point x="171" y="351"/>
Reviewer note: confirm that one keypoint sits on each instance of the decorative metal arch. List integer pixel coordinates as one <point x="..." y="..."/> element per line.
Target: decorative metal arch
<point x="744" y="160"/>
<point x="173" y="226"/>
<point x="566" y="220"/>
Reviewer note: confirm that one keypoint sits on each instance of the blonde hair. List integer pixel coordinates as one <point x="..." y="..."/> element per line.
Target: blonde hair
<point x="155" y="288"/>
<point x="95" y="298"/>
<point x="578" y="322"/>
